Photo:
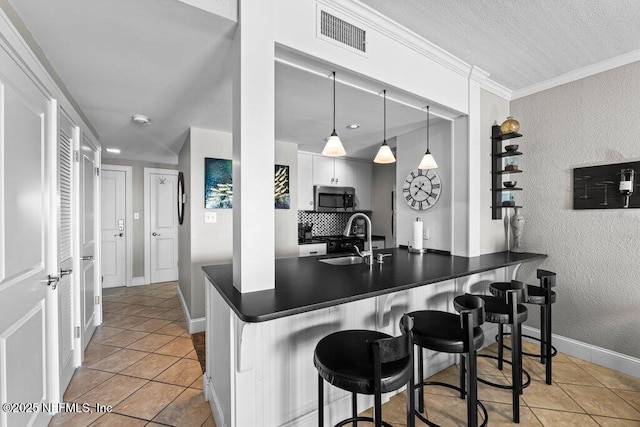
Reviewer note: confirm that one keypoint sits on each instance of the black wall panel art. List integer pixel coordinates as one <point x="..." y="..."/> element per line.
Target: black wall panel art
<point x="615" y="186"/>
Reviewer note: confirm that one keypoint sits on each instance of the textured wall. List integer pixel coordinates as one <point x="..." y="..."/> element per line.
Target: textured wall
<point x="595" y="253"/>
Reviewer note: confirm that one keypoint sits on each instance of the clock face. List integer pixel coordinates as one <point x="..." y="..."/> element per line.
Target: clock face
<point x="421" y="189"/>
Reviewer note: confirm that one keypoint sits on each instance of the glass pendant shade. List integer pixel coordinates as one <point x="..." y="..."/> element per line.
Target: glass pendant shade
<point x="334" y="147"/>
<point x="428" y="162"/>
<point x="385" y="155"/>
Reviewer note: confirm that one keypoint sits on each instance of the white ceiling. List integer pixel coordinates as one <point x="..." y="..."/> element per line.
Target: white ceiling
<point x="521" y="43"/>
<point x="169" y="61"/>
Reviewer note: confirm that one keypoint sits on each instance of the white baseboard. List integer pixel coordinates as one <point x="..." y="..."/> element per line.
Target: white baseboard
<point x="194" y="325"/>
<point x="210" y="395"/>
<point x="591" y="353"/>
<point x="137" y="281"/>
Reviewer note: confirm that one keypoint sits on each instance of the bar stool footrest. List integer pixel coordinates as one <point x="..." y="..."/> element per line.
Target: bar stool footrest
<point x="485" y="415"/>
<point x="554" y="350"/>
<point x="356" y="419"/>
<point x="525" y="384"/>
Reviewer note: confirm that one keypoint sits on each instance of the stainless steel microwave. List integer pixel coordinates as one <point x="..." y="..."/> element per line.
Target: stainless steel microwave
<point x="334" y="199"/>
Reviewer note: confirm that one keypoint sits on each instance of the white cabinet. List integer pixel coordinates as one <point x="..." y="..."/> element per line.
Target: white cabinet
<point x="312" y="249"/>
<point x="330" y="171"/>
<point x="321" y="170"/>
<point x="305" y="182"/>
<point x="363" y="182"/>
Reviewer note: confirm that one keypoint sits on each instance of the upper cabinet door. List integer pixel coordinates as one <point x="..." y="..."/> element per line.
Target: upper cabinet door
<point x="362" y="181"/>
<point x="343" y="173"/>
<point x="305" y="182"/>
<point x="323" y="170"/>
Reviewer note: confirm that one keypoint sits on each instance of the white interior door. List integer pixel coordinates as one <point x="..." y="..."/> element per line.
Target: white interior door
<point x="164" y="226"/>
<point x="87" y="241"/>
<point x="25" y="258"/>
<point x="113" y="208"/>
<point x="65" y="291"/>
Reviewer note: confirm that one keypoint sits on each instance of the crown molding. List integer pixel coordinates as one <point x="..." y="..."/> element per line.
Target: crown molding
<point x="497" y="89"/>
<point x="375" y="20"/>
<point x="578" y="74"/>
<point x="384" y="25"/>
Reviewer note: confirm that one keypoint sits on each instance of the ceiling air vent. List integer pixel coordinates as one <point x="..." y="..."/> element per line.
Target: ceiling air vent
<point x="342" y="32"/>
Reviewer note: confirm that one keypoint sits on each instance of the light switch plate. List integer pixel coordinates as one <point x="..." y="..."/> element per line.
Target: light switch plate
<point x="210" y="217"/>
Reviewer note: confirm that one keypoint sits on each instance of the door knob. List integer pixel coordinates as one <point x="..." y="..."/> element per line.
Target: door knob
<point x="118" y="235"/>
<point x="65" y="273"/>
<point x="155" y="234"/>
<point x="52" y="281"/>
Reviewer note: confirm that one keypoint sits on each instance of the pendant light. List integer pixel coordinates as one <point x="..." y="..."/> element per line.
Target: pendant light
<point x="428" y="162"/>
<point x="385" y="155"/>
<point x="333" y="147"/>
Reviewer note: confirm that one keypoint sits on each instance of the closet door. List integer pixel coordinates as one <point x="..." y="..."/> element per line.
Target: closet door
<point x="66" y="194"/>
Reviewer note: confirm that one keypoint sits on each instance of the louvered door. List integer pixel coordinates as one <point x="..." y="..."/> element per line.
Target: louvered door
<point x="67" y="341"/>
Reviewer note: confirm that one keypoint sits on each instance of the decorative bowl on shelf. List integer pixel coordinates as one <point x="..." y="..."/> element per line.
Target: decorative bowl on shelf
<point x="509" y="203"/>
<point x="510" y="184"/>
<point x="511" y="148"/>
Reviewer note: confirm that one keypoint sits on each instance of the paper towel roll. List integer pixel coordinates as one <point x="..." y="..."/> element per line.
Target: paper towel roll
<point x="417" y="234"/>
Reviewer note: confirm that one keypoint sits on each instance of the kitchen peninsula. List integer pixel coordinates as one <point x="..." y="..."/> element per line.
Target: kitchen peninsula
<point x="260" y="345"/>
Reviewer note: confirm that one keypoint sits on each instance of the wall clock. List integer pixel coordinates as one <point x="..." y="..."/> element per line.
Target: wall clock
<point x="422" y="188"/>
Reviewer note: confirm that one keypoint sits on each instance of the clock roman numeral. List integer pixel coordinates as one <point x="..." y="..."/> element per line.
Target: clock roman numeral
<point x="413" y="174"/>
<point x="406" y="189"/>
<point x="413" y="203"/>
<point x="408" y="197"/>
<point x="420" y="205"/>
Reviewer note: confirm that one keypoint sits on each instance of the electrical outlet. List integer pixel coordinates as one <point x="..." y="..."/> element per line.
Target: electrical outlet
<point x="210" y="217"/>
<point x="425" y="233"/>
<point x="136" y="215"/>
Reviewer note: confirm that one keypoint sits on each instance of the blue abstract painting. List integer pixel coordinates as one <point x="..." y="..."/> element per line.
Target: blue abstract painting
<point x="281" y="187"/>
<point x="218" y="184"/>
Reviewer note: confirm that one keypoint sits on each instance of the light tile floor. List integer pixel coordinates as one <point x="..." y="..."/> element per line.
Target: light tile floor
<point x="141" y="361"/>
<point x="582" y="394"/>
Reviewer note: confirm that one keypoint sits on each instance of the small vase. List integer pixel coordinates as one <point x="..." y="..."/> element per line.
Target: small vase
<point x="510" y="125"/>
<point x="517" y="224"/>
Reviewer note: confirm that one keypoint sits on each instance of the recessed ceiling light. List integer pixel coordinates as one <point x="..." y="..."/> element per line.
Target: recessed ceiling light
<point x="113" y="150"/>
<point x="353" y="126"/>
<point x="140" y="119"/>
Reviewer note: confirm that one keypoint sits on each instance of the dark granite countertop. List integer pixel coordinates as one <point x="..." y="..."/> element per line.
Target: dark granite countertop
<point x="310" y="242"/>
<point x="305" y="284"/>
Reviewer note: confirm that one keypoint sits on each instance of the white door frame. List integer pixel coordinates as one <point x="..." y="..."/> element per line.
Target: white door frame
<point x="147" y="217"/>
<point x="128" y="220"/>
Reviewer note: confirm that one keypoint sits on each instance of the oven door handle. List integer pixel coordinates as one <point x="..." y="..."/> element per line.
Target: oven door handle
<point x="344" y="201"/>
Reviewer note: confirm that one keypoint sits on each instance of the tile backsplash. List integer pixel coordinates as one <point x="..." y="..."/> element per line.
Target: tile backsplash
<point x="325" y="223"/>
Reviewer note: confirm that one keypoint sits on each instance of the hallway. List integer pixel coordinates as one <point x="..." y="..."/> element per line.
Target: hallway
<point x="141" y="361"/>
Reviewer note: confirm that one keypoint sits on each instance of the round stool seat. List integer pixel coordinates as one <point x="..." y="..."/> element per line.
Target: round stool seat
<point x="343" y="359"/>
<point x="441" y="331"/>
<point x="498" y="311"/>
<point x="536" y="293"/>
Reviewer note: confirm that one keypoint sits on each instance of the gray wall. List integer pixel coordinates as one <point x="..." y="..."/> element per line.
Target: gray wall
<point x="384" y="181"/>
<point x="184" y="230"/>
<point x="588" y="122"/>
<point x="213" y="243"/>
<point x="410" y="149"/>
<point x="138" y="206"/>
<point x="493" y="233"/>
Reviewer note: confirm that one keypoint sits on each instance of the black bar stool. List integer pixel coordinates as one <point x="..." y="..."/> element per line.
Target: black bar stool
<point x="452" y="333"/>
<point x="366" y="362"/>
<point x="544" y="297"/>
<point x="509" y="310"/>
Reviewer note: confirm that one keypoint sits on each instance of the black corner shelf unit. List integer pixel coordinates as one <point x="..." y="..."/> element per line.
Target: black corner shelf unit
<point x="497" y="154"/>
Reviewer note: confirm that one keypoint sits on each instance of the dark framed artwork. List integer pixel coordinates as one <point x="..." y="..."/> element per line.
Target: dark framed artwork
<point x="218" y="183"/>
<point x="281" y="187"/>
<point x="181" y="197"/>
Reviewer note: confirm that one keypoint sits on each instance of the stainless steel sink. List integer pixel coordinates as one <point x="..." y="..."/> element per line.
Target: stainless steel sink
<point x="345" y="260"/>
